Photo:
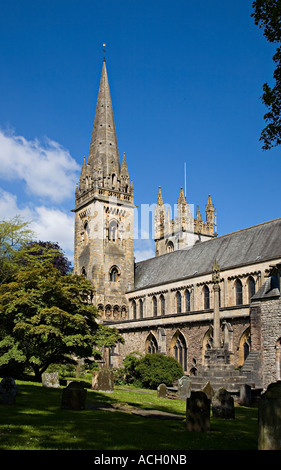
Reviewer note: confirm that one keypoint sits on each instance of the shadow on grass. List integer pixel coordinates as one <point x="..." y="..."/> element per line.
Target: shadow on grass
<point x="37" y="422"/>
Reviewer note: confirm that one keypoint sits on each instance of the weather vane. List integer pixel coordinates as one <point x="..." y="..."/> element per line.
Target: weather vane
<point x="104" y="49"/>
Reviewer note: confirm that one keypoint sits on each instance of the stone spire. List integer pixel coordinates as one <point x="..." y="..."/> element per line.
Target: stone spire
<point x="159" y="197"/>
<point x="103" y="153"/>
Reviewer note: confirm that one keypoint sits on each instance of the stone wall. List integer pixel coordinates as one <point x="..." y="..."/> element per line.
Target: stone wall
<point x="266" y="336"/>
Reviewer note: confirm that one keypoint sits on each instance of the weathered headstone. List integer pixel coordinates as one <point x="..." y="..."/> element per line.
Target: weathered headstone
<point x="8" y="389"/>
<point x="269" y="418"/>
<point x="50" y="380"/>
<point x="184" y="388"/>
<point x="209" y="391"/>
<point x="223" y="404"/>
<point x="245" y="398"/>
<point x="198" y="412"/>
<point x="103" y="380"/>
<point x="74" y="397"/>
<point x="162" y="391"/>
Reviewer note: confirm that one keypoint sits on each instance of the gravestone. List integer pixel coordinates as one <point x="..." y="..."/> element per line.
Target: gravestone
<point x="223" y="404"/>
<point x="184" y="388"/>
<point x="103" y="380"/>
<point x="50" y="380"/>
<point x="269" y="418"/>
<point x="245" y="398"/>
<point x="8" y="390"/>
<point x="74" y="397"/>
<point x="162" y="391"/>
<point x="198" y="412"/>
<point x="209" y="391"/>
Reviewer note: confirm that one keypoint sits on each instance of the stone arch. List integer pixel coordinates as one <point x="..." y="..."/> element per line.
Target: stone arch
<point x="251" y="287"/>
<point x="244" y="346"/>
<point x="151" y="344"/>
<point x="206" y="297"/>
<point x="112" y="230"/>
<point x="124" y="312"/>
<point x="178" y="302"/>
<point x="178" y="349"/>
<point x="116" y="312"/>
<point x="207" y="342"/>
<point x="114" y="273"/>
<point x="108" y="311"/>
<point x="238" y="292"/>
<point x="170" y="247"/>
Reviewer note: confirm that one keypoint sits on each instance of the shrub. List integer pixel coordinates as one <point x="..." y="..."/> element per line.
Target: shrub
<point x="154" y="369"/>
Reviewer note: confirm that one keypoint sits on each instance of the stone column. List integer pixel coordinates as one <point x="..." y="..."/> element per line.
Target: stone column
<point x="216" y="325"/>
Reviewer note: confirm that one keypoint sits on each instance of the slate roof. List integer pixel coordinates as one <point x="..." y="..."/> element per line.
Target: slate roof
<point x="251" y="245"/>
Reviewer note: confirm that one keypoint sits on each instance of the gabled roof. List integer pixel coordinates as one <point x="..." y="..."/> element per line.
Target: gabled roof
<point x="248" y="246"/>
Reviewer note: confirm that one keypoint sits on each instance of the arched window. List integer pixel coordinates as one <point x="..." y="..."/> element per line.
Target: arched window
<point x="151" y="346"/>
<point x="206" y="293"/>
<point x="134" y="307"/>
<point x="170" y="247"/>
<point x="239" y="292"/>
<point x="141" y="308"/>
<point x="251" y="288"/>
<point x="112" y="230"/>
<point x="180" y="349"/>
<point x="178" y="297"/>
<point x="162" y="303"/>
<point x="154" y="304"/>
<point x="113" y="274"/>
<point x="83" y="272"/>
<point x="187" y="300"/>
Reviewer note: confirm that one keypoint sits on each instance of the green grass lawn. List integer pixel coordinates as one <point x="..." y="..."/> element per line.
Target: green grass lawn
<point x="37" y="422"/>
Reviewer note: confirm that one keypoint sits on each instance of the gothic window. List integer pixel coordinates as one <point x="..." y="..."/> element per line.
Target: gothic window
<point x="113" y="274"/>
<point x="112" y="231"/>
<point x="206" y="293"/>
<point x="187" y="300"/>
<point x="134" y="307"/>
<point x="239" y="292"/>
<point x="154" y="304"/>
<point x="114" y="180"/>
<point x="170" y="247"/>
<point x="178" y="297"/>
<point x="162" y="303"/>
<point x="180" y="350"/>
<point x="251" y="288"/>
<point x="141" y="308"/>
<point x="85" y="233"/>
<point x="151" y="346"/>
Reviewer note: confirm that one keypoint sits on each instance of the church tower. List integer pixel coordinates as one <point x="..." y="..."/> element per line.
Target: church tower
<point x="104" y="215"/>
<point x="185" y="229"/>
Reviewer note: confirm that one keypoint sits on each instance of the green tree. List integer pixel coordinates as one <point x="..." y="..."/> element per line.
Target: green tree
<point x="14" y="234"/>
<point x="37" y="253"/>
<point x="267" y="15"/>
<point x="48" y="318"/>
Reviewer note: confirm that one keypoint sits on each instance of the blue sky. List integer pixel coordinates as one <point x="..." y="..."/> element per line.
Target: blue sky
<point x="186" y="79"/>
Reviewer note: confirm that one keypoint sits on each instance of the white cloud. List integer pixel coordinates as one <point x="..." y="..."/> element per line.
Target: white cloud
<point x="47" y="169"/>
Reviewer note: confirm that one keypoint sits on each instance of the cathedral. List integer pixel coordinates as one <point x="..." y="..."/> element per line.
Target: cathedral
<point x="166" y="304"/>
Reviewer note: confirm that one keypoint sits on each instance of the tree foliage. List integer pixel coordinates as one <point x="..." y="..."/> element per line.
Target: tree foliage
<point x="46" y="313"/>
<point x="14" y="235"/>
<point x="267" y="15"/>
<point x="37" y="253"/>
